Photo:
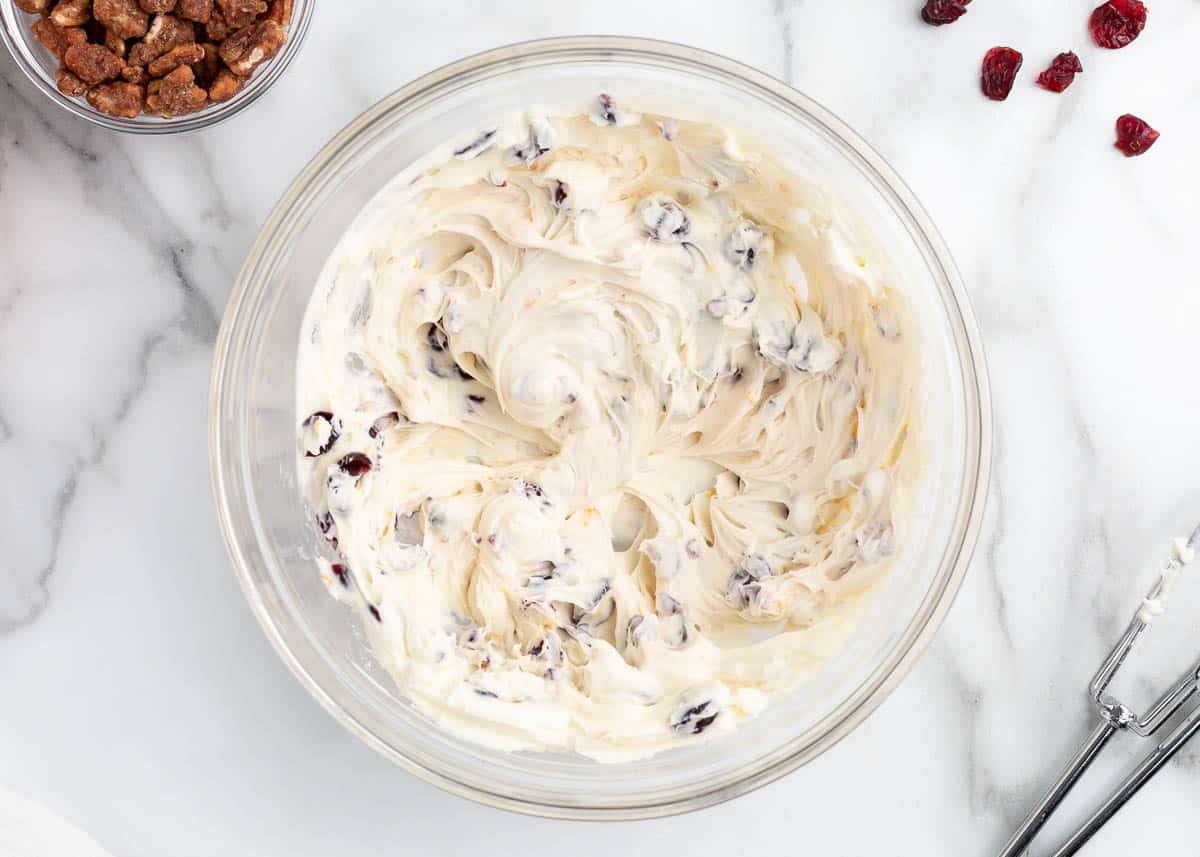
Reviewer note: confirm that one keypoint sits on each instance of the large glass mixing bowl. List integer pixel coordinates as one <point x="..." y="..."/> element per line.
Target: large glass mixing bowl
<point x="253" y="428"/>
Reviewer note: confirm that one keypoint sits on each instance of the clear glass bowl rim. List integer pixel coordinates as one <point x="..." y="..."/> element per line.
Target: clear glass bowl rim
<point x="225" y="442"/>
<point x="263" y="80"/>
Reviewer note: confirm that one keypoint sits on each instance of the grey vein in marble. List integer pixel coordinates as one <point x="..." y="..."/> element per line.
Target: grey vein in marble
<point x="782" y="12"/>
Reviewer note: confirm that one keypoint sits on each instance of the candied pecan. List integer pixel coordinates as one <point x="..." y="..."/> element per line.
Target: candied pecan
<point x="33" y="7"/>
<point x="71" y="13"/>
<point x="135" y="74"/>
<point x="692" y="719"/>
<point x="166" y="32"/>
<point x="115" y="43"/>
<point x="216" y="28"/>
<point x="92" y="63"/>
<point x="117" y="99"/>
<point x="280" y="12"/>
<point x="242" y="13"/>
<point x="207" y="68"/>
<point x="50" y="36"/>
<point x="249" y="48"/>
<point x="196" y="10"/>
<point x="56" y="39"/>
<point x="175" y="94"/>
<point x="123" y="18"/>
<point x="157" y="7"/>
<point x="69" y="84"/>
<point x="225" y="86"/>
<point x="174" y="58"/>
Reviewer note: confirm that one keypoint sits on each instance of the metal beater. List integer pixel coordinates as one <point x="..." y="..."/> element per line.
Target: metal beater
<point x="1115" y="716"/>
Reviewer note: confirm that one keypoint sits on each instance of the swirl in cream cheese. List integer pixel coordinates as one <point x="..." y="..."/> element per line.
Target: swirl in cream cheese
<point x="607" y="427"/>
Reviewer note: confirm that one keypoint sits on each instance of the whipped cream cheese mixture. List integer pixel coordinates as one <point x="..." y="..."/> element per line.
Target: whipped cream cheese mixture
<point x="1183" y="552"/>
<point x="607" y="426"/>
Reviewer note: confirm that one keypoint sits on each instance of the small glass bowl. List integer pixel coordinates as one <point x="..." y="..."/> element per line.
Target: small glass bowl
<point x="253" y="428"/>
<point x="39" y="65"/>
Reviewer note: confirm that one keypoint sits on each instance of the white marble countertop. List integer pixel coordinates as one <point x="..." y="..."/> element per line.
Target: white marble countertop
<point x="139" y="698"/>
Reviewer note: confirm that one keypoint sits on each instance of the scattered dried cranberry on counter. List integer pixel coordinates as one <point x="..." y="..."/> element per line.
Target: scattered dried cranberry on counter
<point x="1118" y="22"/>
<point x="938" y="12"/>
<point x="1000" y="67"/>
<point x="1061" y="72"/>
<point x="1134" y="135"/>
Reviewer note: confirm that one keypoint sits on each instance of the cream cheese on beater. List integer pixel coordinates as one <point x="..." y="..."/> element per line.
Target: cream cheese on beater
<point x="1183" y="552"/>
<point x="608" y="427"/>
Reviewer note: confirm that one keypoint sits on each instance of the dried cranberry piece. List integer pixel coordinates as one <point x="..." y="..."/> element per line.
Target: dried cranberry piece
<point x="606" y="110"/>
<point x="343" y="575"/>
<point x="665" y="219"/>
<point x="328" y="528"/>
<point x="743" y="244"/>
<point x="1118" y="22"/>
<point x="476" y="146"/>
<point x="1061" y="72"/>
<point x="318" y="422"/>
<point x="392" y="418"/>
<point x="694" y="719"/>
<point x="1000" y="67"/>
<point x="1134" y="135"/>
<point x="938" y="12"/>
<point x="375" y="612"/>
<point x="436" y="338"/>
<point x="355" y="463"/>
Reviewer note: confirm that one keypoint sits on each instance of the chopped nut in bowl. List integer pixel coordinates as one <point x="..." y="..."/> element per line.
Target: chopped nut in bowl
<point x="154" y="66"/>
